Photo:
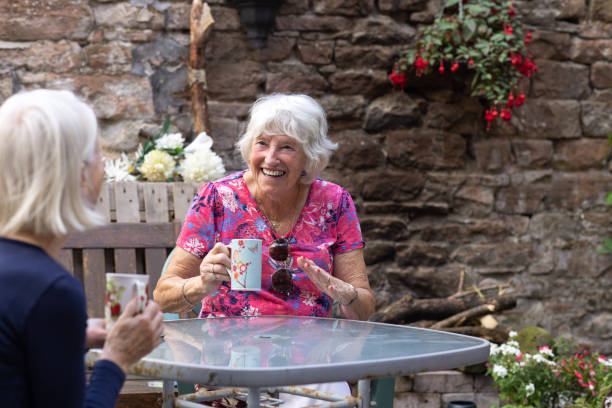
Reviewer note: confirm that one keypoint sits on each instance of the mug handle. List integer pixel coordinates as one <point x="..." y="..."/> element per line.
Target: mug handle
<point x="140" y="290"/>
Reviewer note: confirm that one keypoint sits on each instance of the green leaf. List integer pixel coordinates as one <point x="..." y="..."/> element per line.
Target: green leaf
<point x="607" y="248"/>
<point x="470" y="25"/>
<point x="451" y="3"/>
<point x="497" y="37"/>
<point x="609" y="198"/>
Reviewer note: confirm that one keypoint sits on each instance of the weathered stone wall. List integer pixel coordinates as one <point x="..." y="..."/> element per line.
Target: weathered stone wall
<point x="436" y="194"/>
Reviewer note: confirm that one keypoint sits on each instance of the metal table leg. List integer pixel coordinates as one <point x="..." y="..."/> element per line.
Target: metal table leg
<point x="168" y="394"/>
<point x="363" y="388"/>
<point x="253" y="398"/>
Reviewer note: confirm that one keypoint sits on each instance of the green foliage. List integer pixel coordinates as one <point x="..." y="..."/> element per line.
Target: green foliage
<point x="607" y="244"/>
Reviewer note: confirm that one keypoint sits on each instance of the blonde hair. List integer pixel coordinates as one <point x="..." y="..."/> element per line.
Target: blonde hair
<point x="46" y="137"/>
<point x="294" y="115"/>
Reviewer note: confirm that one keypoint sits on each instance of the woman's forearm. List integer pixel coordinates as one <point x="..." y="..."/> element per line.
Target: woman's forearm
<point x="175" y="294"/>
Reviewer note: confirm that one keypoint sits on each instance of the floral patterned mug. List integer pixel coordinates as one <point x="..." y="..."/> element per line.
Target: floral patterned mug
<point x="120" y="289"/>
<point x="245" y="272"/>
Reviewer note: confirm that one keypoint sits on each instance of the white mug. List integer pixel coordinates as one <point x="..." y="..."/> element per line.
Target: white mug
<point x="245" y="272"/>
<point x="120" y="289"/>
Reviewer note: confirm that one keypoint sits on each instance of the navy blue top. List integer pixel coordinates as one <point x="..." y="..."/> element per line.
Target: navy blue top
<point x="43" y="319"/>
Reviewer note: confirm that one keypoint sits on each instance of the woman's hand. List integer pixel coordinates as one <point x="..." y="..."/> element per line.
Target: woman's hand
<point x="134" y="335"/>
<point x="96" y="333"/>
<point x="333" y="287"/>
<point x="214" y="268"/>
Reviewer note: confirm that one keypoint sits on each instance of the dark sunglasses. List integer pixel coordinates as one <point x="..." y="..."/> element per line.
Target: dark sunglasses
<point x="282" y="278"/>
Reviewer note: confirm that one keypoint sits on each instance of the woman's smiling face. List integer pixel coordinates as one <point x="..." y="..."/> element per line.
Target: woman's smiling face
<point x="276" y="163"/>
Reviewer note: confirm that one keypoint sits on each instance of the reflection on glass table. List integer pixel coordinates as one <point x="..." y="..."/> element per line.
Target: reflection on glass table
<point x="266" y="351"/>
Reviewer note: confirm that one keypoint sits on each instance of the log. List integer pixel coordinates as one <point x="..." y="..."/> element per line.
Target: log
<point x="201" y="22"/>
<point x="498" y="336"/>
<point x="408" y="310"/>
<point x="459" y="318"/>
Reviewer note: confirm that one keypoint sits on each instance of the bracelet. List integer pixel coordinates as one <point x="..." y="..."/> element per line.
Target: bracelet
<point x="191" y="305"/>
<point x="355" y="296"/>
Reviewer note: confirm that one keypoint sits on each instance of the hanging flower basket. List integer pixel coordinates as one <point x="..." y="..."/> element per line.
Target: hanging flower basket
<point x="488" y="38"/>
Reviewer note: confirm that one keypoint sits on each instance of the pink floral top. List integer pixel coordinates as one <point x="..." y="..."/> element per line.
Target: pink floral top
<point x="224" y="210"/>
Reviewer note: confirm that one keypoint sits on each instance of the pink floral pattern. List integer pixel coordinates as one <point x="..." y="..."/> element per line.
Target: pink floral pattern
<point x="224" y="210"/>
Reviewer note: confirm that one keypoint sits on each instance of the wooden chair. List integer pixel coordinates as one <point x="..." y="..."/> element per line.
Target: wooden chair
<point x="144" y="220"/>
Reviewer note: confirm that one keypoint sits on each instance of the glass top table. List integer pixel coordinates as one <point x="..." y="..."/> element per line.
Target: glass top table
<point x="266" y="351"/>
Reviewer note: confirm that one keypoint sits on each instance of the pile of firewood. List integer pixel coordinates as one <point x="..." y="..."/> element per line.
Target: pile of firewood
<point x="467" y="312"/>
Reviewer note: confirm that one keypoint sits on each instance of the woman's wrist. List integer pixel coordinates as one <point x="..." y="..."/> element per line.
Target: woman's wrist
<point x="354" y="297"/>
<point x="184" y="295"/>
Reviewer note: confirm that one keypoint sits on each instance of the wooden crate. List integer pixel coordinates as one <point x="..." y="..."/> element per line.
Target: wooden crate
<point x="144" y="220"/>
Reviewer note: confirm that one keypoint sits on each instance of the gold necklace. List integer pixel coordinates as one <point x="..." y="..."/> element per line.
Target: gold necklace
<point x="277" y="224"/>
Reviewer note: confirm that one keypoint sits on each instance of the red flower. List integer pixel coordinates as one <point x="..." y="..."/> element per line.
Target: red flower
<point x="420" y="65"/>
<point x="520" y="99"/>
<point x="508" y="29"/>
<point x="489" y="116"/>
<point x="578" y="375"/>
<point x="397" y="79"/>
<point x="511" y="12"/>
<point x="115" y="309"/>
<point x="528" y="38"/>
<point x="516" y="59"/>
<point x="441" y="68"/>
<point x="471" y="62"/>
<point x="510" y="103"/>
<point x="505" y="114"/>
<point x="455" y="67"/>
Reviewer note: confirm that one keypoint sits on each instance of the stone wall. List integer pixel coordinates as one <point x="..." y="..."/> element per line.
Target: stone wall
<point x="436" y="193"/>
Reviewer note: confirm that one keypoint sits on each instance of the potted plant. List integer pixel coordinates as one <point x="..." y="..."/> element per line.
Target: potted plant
<point x="555" y="376"/>
<point x="165" y="158"/>
<point x="488" y="38"/>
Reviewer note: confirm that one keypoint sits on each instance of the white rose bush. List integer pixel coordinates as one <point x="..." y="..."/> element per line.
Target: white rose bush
<point x="165" y="158"/>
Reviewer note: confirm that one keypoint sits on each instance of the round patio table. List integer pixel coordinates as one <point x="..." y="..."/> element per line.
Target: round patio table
<point x="267" y="352"/>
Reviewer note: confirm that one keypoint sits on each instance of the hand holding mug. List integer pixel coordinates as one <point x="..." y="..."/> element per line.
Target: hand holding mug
<point x="134" y="335"/>
<point x="214" y="268"/>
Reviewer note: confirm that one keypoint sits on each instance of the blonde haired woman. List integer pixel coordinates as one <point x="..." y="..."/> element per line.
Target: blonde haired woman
<point x="51" y="174"/>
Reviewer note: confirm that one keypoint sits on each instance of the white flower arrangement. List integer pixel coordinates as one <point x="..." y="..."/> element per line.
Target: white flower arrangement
<point x="166" y="159"/>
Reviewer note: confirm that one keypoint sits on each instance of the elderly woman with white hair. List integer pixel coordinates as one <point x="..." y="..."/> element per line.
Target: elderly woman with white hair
<point x="51" y="174"/>
<point x="280" y="200"/>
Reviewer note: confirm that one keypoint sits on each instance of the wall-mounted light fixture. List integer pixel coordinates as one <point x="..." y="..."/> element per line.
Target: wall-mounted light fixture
<point x="257" y="18"/>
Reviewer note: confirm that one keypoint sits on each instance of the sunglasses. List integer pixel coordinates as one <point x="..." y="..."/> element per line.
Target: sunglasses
<point x="282" y="278"/>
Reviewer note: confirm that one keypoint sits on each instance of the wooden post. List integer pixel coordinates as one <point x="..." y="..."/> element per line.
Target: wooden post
<point x="201" y="25"/>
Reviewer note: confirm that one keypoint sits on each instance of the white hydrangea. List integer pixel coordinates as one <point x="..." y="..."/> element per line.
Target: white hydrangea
<point x="118" y="169"/>
<point x="604" y="361"/>
<point x="530" y="389"/>
<point x="500" y="371"/>
<point x="201" y="166"/>
<point x="170" y="141"/>
<point x="512" y="334"/>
